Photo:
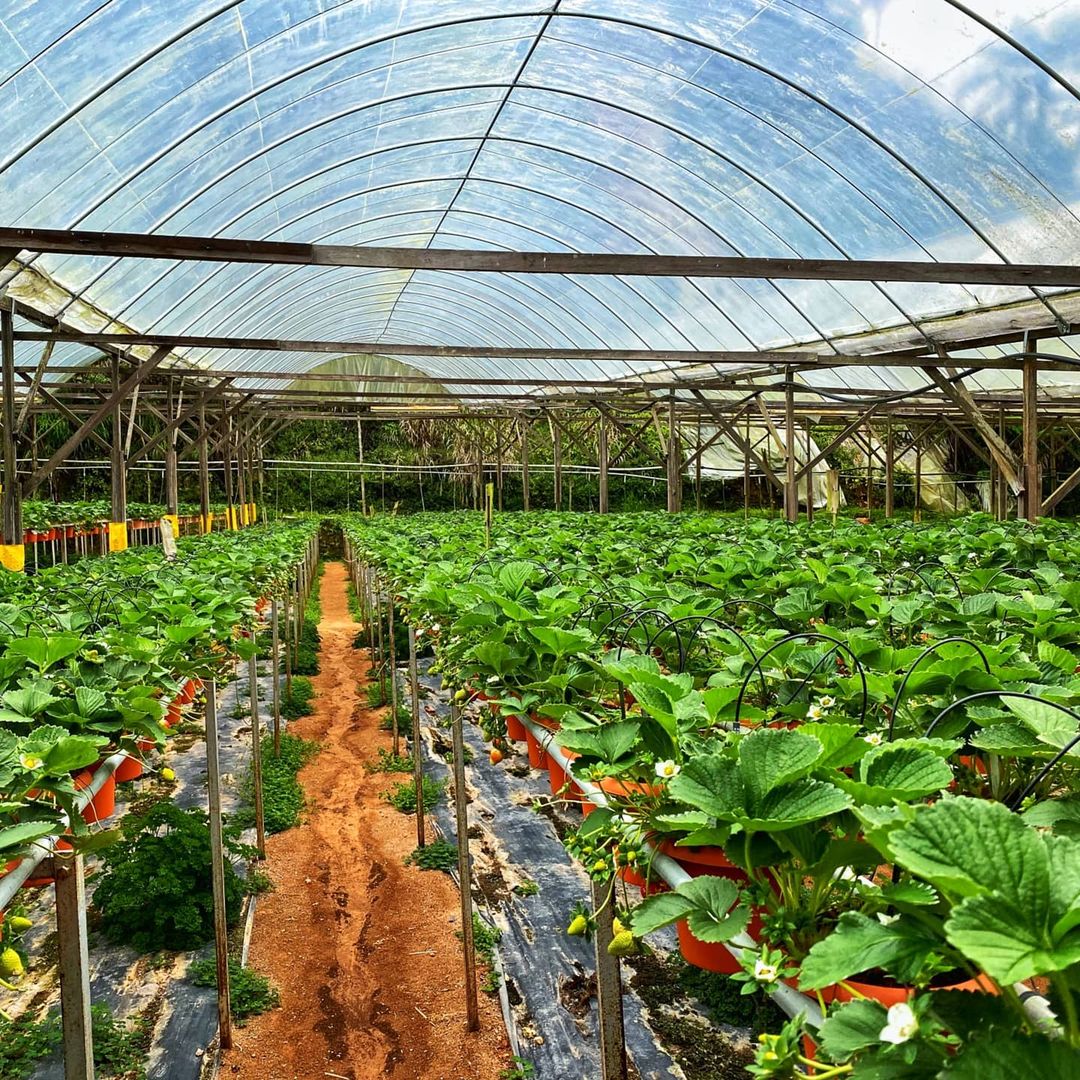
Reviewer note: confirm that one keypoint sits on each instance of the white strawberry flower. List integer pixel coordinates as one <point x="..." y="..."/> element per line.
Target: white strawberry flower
<point x="886" y="920"/>
<point x="765" y="972"/>
<point x="492" y="680"/>
<point x="901" y="1024"/>
<point x="826" y="702"/>
<point x="874" y="738"/>
<point x="30" y="761"/>
<point x="815" y="712"/>
<point x="667" y="769"/>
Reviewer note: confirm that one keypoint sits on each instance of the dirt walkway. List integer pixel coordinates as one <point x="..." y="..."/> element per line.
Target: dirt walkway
<point x="361" y="946"/>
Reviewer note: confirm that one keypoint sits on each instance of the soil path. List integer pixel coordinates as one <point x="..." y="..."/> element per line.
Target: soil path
<point x="361" y="946"/>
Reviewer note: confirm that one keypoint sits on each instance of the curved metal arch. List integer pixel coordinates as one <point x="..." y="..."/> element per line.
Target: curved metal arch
<point x="548" y="236"/>
<point x="570" y="315"/>
<point x="696" y="635"/>
<point x="703" y="180"/>
<point x="854" y="124"/>
<point x="1022" y="572"/>
<point x="347" y="294"/>
<point x="807" y="635"/>
<point x="809" y="151"/>
<point x="968" y="117"/>
<point x="701" y="144"/>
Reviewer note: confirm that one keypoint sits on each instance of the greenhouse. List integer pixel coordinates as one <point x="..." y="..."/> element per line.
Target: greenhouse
<point x="539" y="540"/>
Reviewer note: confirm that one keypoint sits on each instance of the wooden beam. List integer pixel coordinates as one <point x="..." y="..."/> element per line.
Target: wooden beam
<point x="1032" y="480"/>
<point x="174" y="425"/>
<point x="35" y="383"/>
<point x="960" y="396"/>
<point x="224" y="249"/>
<point x="68" y="414"/>
<point x="11" y="529"/>
<point x="741" y="444"/>
<point x="45" y="471"/>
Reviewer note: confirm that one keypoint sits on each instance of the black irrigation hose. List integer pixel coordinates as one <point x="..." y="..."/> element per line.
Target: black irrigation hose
<point x="918" y="660"/>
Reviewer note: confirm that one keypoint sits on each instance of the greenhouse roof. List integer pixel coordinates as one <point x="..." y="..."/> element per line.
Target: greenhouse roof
<point x="926" y="131"/>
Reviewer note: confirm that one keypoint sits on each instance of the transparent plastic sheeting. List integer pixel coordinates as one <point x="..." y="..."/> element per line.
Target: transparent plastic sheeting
<point x="880" y="129"/>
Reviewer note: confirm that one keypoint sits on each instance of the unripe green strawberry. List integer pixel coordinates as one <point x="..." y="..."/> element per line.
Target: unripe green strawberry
<point x="578" y="925"/>
<point x="19" y="923"/>
<point x="622" y="944"/>
<point x="11" y="965"/>
<point x="599" y="866"/>
<point x="617" y="927"/>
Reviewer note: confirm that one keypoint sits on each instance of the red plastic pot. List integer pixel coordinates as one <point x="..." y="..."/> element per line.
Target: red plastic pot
<point x="617" y="787"/>
<point x="704" y="955"/>
<point x="537" y="757"/>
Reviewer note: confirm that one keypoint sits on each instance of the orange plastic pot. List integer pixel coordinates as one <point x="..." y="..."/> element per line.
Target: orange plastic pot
<point x="888" y="993"/>
<point x="173" y="716"/>
<point x="103" y="805"/>
<point x="131" y="768"/>
<point x="515" y="729"/>
<point x="617" y="787"/>
<point x="704" y="955"/>
<point x="537" y="757"/>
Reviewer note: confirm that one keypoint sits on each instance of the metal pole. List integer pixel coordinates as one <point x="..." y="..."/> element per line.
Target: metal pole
<point x="74" y="967"/>
<point x="417" y="746"/>
<point x="275" y="672"/>
<point x="360" y="458"/>
<point x="461" y="810"/>
<point x="524" y="427"/>
<point x="256" y="751"/>
<point x="609" y="1006"/>
<point x="392" y="652"/>
<point x="217" y="856"/>
<point x="556" y="455"/>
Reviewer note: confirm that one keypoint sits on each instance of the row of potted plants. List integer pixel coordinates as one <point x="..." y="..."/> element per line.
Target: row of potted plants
<point x="98" y="659"/>
<point x="858" y="747"/>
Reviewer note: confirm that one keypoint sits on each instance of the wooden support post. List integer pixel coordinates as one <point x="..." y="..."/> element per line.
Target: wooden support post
<point x="556" y="458"/>
<point x="602" y="461"/>
<point x="275" y="673"/>
<point x="118" y="468"/>
<point x="217" y="867"/>
<point x="917" y="515"/>
<point x="791" y="487"/>
<point x="391" y="663"/>
<point x="204" y="471"/>
<point x="461" y="813"/>
<point x="869" y="471"/>
<point x="379" y="648"/>
<point x="746" y="471"/>
<point x="73" y="964"/>
<point x="609" y="1006"/>
<point x="13" y="553"/>
<point x="417" y="743"/>
<point x="226" y="463"/>
<point x="240" y="511"/>
<point x="288" y="643"/>
<point x="809" y="473"/>
<point x="172" y="493"/>
<point x="524" y="428"/>
<point x="674" y="461"/>
<point x="256" y="751"/>
<point x="499" y="464"/>
<point x="890" y="449"/>
<point x="1032" y="480"/>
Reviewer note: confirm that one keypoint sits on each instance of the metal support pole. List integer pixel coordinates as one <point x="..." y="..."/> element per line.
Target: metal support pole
<point x="275" y="672"/>
<point x="392" y="665"/>
<point x="609" y="1007"/>
<point x="417" y="745"/>
<point x="217" y="856"/>
<point x="791" y="487"/>
<point x="461" y="810"/>
<point x="74" y="967"/>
